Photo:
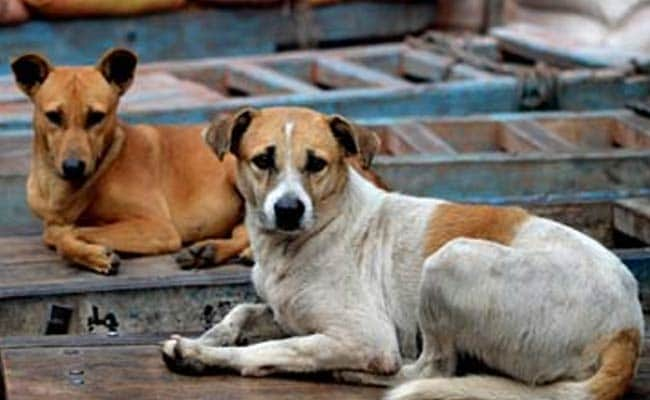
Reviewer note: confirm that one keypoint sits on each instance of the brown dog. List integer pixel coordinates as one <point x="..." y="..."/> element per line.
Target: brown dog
<point x="101" y="185"/>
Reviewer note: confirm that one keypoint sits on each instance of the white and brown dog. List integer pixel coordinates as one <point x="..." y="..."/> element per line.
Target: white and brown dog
<point x="350" y="273"/>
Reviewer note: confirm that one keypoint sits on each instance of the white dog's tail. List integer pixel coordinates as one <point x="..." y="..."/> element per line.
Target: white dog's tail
<point x="618" y="361"/>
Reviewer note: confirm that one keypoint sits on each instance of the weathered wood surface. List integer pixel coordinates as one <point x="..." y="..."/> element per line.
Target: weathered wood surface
<point x="151" y="294"/>
<point x="28" y="267"/>
<point x="391" y="80"/>
<point x="210" y="32"/>
<point x="122" y="372"/>
<point x="496" y="158"/>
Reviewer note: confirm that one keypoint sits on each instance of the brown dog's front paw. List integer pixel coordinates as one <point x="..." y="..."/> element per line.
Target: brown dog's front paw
<point x="196" y="256"/>
<point x="180" y="356"/>
<point x="104" y="261"/>
<point x="113" y="264"/>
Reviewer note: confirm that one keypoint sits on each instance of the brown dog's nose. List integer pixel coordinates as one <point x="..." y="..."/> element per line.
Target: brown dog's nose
<point x="73" y="169"/>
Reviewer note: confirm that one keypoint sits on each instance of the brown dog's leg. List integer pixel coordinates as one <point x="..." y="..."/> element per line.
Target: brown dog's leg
<point x="138" y="236"/>
<point x="215" y="251"/>
<point x="98" y="258"/>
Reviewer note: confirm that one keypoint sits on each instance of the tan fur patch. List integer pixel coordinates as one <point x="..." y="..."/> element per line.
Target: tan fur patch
<point x="451" y="221"/>
<point x="618" y="360"/>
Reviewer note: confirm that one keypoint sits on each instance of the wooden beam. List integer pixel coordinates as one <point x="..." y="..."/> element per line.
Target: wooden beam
<point x="338" y="73"/>
<point x="421" y="138"/>
<point x="435" y="67"/>
<point x="257" y="80"/>
<point x="632" y="217"/>
<point x="57" y="278"/>
<point x="539" y="137"/>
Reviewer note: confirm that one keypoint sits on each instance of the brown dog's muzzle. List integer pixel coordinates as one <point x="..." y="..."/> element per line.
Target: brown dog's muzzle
<point x="73" y="169"/>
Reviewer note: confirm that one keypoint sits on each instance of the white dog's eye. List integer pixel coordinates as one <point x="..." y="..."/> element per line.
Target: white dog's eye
<point x="263" y="161"/>
<point x="315" y="164"/>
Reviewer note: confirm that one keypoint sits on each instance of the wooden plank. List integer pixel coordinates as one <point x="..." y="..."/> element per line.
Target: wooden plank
<point x="90" y="340"/>
<point x="47" y="275"/>
<point x="539" y="137"/>
<point x="426" y="65"/>
<point x="435" y="67"/>
<point x="256" y="80"/>
<point x="338" y="73"/>
<point x="122" y="372"/>
<point x="632" y="217"/>
<point x="422" y="139"/>
<point x="139" y="372"/>
<point x="498" y="178"/>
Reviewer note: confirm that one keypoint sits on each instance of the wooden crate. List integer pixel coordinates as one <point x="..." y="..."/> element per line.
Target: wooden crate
<point x="137" y="371"/>
<point x="496" y="158"/>
<point x="391" y="80"/>
<point x="38" y="292"/>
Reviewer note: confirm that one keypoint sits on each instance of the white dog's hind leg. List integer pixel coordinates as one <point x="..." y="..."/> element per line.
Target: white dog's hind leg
<point x="525" y="312"/>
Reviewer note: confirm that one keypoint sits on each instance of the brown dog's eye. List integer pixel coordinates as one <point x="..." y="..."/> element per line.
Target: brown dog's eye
<point x="263" y="161"/>
<point x="315" y="164"/>
<point x="54" y="117"/>
<point x="93" y="118"/>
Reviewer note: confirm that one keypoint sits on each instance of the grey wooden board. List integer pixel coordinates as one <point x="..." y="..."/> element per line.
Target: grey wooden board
<point x="29" y="268"/>
<point x="137" y="371"/>
<point x="150" y="294"/>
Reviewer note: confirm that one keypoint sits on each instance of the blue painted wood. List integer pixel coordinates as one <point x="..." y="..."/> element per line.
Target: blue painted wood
<point x="471" y="165"/>
<point x="210" y="32"/>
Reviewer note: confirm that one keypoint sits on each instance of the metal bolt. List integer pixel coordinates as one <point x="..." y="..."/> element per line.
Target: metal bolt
<point x="77" y="381"/>
<point x="76" y="376"/>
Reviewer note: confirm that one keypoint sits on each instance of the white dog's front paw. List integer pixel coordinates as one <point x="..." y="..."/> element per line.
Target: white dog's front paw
<point x="182" y="355"/>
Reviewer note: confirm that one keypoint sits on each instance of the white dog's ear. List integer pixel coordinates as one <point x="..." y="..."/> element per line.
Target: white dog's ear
<point x="118" y="67"/>
<point x="226" y="130"/>
<point x="355" y="139"/>
<point x="30" y="71"/>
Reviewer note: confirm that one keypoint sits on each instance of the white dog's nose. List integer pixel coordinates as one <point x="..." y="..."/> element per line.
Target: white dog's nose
<point x="289" y="210"/>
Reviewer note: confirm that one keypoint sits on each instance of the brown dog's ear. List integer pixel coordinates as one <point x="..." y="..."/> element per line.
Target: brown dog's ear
<point x="118" y="67"/>
<point x="30" y="72"/>
<point x="226" y="130"/>
<point x="354" y="139"/>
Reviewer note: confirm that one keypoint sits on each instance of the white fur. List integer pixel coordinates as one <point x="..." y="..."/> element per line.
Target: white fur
<point x="352" y="290"/>
<point x="289" y="183"/>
